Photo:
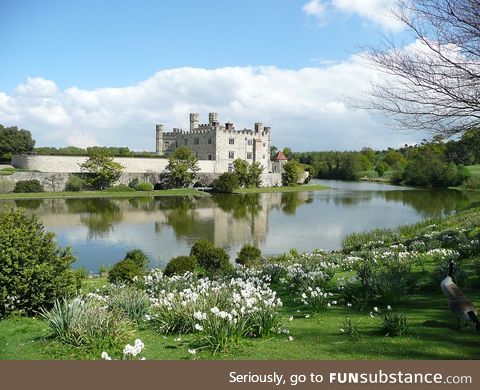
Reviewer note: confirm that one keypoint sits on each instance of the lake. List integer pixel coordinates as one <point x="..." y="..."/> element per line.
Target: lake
<point x="102" y="230"/>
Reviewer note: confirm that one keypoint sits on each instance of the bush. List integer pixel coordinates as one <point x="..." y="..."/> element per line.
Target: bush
<point x="211" y="258"/>
<point x="473" y="183"/>
<point x="134" y="264"/>
<point x="381" y="168"/>
<point x="6" y="186"/>
<point x="249" y="255"/>
<point x="87" y="324"/>
<point x="28" y="186"/>
<point x="226" y="183"/>
<point x="75" y="184"/>
<point x="134" y="183"/>
<point x="130" y="302"/>
<point x="34" y="270"/>
<point x="180" y="265"/>
<point x="391" y="285"/>
<point x="138" y="257"/>
<point x="124" y="272"/>
<point x="145" y="187"/>
<point x="120" y="188"/>
<point x="393" y="324"/>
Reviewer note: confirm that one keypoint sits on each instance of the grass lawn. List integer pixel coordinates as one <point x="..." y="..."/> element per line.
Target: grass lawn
<point x="474" y="170"/>
<point x="104" y="194"/>
<point x="299" y="188"/>
<point x="433" y="334"/>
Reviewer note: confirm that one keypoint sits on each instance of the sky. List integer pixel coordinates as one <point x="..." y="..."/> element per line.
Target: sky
<point x="105" y="72"/>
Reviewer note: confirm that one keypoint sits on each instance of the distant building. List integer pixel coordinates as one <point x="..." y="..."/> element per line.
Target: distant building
<point x="222" y="143"/>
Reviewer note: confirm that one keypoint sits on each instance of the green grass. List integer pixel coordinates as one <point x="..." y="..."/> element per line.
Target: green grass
<point x="11" y="171"/>
<point x="104" y="194"/>
<point x="433" y="334"/>
<point x="474" y="170"/>
<point x="299" y="188"/>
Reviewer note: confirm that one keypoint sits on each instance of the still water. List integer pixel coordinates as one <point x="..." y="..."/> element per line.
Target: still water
<point x="102" y="230"/>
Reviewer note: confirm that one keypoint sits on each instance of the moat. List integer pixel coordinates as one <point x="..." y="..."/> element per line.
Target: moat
<point x="100" y="231"/>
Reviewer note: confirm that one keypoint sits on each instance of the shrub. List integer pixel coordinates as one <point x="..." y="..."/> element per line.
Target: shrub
<point x="34" y="270"/>
<point x="393" y="324"/>
<point x="6" y="186"/>
<point x="473" y="183"/>
<point x="138" y="257"/>
<point x="226" y="183"/>
<point x="75" y="184"/>
<point x="209" y="257"/>
<point x="87" y="323"/>
<point x="181" y="264"/>
<point x="381" y="168"/>
<point x="124" y="272"/>
<point x="249" y="255"/>
<point x="392" y="284"/>
<point x="129" y="301"/>
<point x="120" y="188"/>
<point x="145" y="187"/>
<point x="134" y="183"/>
<point x="28" y="186"/>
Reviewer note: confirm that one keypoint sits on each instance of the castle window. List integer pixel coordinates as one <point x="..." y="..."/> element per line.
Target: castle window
<point x="231" y="154"/>
<point x="196" y="141"/>
<point x="185" y="141"/>
<point x="263" y="157"/>
<point x="231" y="141"/>
<point x="230" y="168"/>
<point x="249" y="155"/>
<point x="249" y="142"/>
<point x="166" y="144"/>
<point x="209" y="156"/>
<point x="209" y="141"/>
<point x="264" y="145"/>
<point x="196" y="154"/>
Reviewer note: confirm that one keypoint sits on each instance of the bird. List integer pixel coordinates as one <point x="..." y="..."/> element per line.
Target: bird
<point x="460" y="306"/>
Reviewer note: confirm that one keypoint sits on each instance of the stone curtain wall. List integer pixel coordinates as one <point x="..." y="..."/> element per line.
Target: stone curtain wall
<point x="71" y="164"/>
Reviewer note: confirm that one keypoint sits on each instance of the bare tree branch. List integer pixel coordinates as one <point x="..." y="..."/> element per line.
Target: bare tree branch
<point x="434" y="84"/>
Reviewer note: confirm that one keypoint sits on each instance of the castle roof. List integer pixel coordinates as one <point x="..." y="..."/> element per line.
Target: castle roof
<point x="280" y="156"/>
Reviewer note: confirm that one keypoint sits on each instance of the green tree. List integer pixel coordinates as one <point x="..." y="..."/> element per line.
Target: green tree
<point x="241" y="170"/>
<point x="292" y="173"/>
<point x="226" y="183"/>
<point x="34" y="270"/>
<point x="15" y="141"/>
<point x="182" y="167"/>
<point x="255" y="171"/>
<point x="104" y="171"/>
<point x="381" y="168"/>
<point x="273" y="151"/>
<point x="287" y="152"/>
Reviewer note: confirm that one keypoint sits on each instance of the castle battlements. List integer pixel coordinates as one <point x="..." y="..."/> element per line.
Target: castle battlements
<point x="213" y="141"/>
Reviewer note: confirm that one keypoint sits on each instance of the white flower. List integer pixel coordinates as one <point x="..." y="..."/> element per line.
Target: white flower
<point x="177" y="339"/>
<point x="198" y="315"/>
<point x="342" y="330"/>
<point x="349" y="304"/>
<point x="198" y="327"/>
<point x="291" y="318"/>
<point x="389" y="307"/>
<point x="105" y="356"/>
<point x="307" y="316"/>
<point x="371" y="314"/>
<point x="215" y="310"/>
<point x="375" y="309"/>
<point x="290" y="338"/>
<point x="192" y="351"/>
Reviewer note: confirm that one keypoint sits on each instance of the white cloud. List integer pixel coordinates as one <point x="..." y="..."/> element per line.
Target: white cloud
<point x="373" y="10"/>
<point x="305" y="108"/>
<point x="376" y="11"/>
<point x="38" y="87"/>
<point x="315" y="8"/>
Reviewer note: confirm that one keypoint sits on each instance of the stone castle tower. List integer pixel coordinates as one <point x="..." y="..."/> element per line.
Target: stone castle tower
<point x="222" y="143"/>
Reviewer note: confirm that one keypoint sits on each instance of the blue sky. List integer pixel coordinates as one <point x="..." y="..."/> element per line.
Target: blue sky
<point x="82" y="72"/>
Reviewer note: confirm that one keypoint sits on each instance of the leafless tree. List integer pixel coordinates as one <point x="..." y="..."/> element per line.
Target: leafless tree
<point x="433" y="84"/>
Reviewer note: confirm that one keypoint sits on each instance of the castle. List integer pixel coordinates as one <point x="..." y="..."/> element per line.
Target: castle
<point x="213" y="141"/>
